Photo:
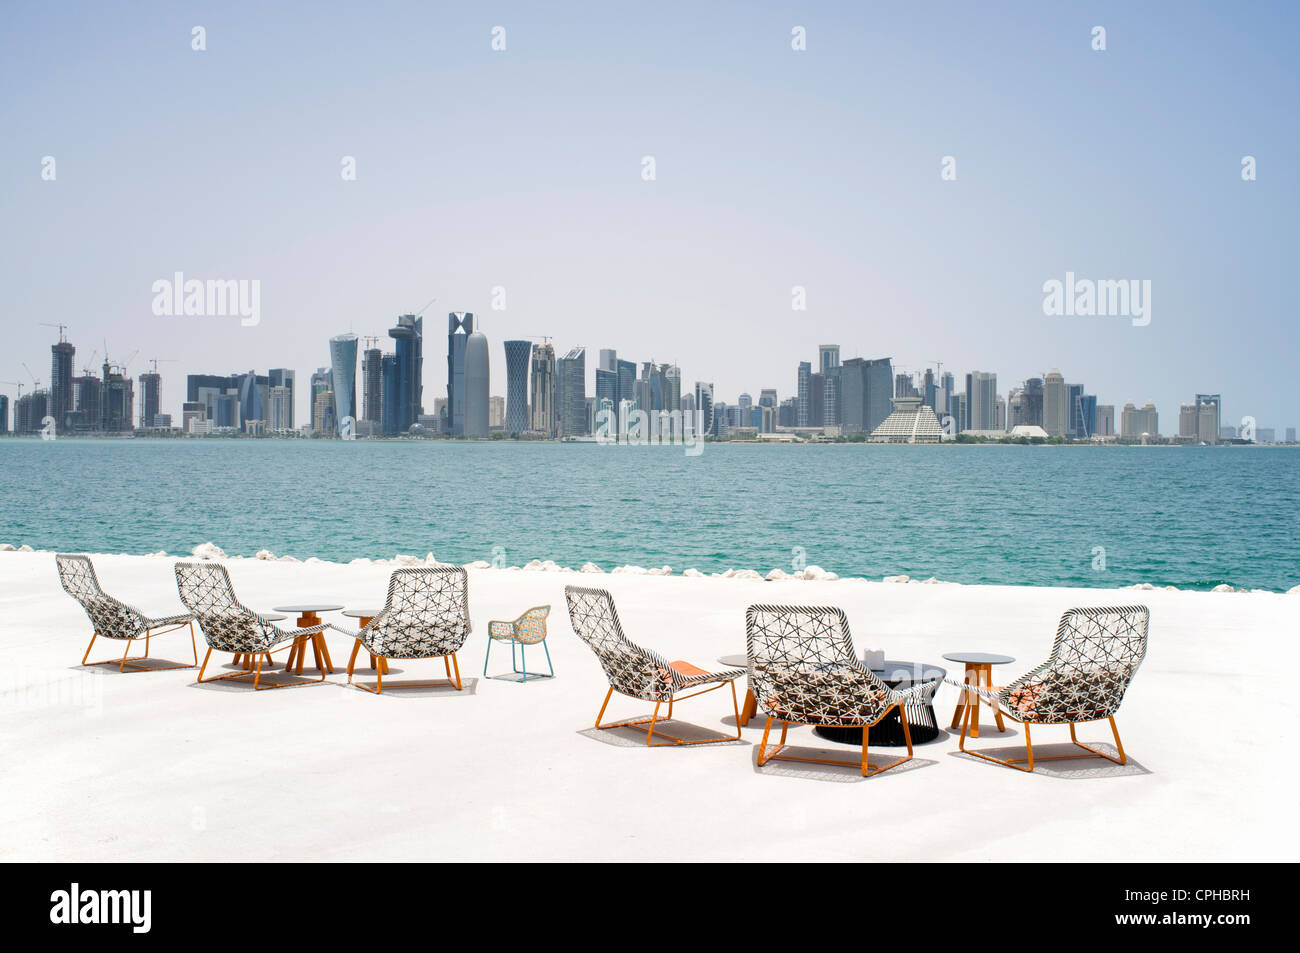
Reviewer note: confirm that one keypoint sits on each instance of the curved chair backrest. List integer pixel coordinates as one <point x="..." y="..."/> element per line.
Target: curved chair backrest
<point x="1094" y="657"/>
<point x="530" y="628"/>
<point x="227" y="624"/>
<point x="111" y="619"/>
<point x="426" y="615"/>
<point x="630" y="669"/>
<point x="802" y="666"/>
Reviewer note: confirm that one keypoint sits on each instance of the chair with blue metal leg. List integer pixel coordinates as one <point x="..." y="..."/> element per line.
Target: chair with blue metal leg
<point x="528" y="629"/>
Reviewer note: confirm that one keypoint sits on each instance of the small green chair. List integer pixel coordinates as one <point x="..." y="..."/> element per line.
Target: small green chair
<point x="528" y="629"/>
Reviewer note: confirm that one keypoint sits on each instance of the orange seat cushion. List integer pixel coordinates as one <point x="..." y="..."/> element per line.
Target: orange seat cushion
<point x="686" y="669"/>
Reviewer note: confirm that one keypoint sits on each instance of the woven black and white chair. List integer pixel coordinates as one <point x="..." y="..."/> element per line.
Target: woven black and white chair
<point x="426" y="616"/>
<point x="230" y="626"/>
<point x="1095" y="655"/>
<point x="641" y="673"/>
<point x="803" y="671"/>
<point x="117" y="620"/>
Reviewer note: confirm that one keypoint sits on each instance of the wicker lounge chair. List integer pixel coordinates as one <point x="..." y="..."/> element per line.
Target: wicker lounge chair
<point x="426" y="616"/>
<point x="117" y="620"/>
<point x="528" y="629"/>
<point x="640" y="673"/>
<point x="803" y="671"/>
<point x="1095" y="655"/>
<point x="230" y="626"/>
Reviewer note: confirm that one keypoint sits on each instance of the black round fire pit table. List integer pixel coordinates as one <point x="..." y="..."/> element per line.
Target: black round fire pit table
<point x="888" y="732"/>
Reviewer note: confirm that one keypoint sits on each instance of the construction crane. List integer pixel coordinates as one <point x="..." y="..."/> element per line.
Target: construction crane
<point x="90" y="364"/>
<point x="18" y="384"/>
<point x="33" y="376"/>
<point x="427" y="306"/>
<point x="127" y="362"/>
<point x="62" y="327"/>
<point x="155" y="361"/>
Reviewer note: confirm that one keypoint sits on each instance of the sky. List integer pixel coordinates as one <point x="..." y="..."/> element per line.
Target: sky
<point x="523" y="169"/>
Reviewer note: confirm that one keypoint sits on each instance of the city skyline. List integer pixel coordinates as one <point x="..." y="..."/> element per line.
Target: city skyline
<point x="774" y="170"/>
<point x="846" y="397"/>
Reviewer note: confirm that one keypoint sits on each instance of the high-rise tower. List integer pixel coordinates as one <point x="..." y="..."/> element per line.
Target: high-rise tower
<point x="477" y="410"/>
<point x="542" y="398"/>
<point x="459" y="327"/>
<point x="150" y="396"/>
<point x="408" y="336"/>
<point x="343" y="372"/>
<point x="61" y="356"/>
<point x="517" y="356"/>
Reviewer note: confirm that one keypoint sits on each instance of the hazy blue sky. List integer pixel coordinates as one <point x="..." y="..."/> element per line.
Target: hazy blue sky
<point x="522" y="168"/>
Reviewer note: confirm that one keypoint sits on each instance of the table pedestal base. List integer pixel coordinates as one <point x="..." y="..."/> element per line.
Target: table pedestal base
<point x="888" y="732"/>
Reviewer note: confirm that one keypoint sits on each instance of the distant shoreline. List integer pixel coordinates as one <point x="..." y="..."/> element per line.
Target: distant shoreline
<point x="1010" y="442"/>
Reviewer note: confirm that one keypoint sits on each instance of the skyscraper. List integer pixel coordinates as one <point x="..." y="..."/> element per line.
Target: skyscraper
<point x="571" y="378"/>
<point x="1105" y="420"/>
<point x="626" y="381"/>
<point x="803" y="402"/>
<point x="1087" y="416"/>
<point x="704" y="407"/>
<point x="879" y="382"/>
<point x="607" y="385"/>
<point x="86" y="389"/>
<point x="280" y="409"/>
<point x="150" y="395"/>
<point x="117" y="400"/>
<point x="1143" y="422"/>
<point x="61" y="356"/>
<point x="1056" y="405"/>
<point x="390" y="389"/>
<point x="853" y="395"/>
<point x="1033" y="402"/>
<point x="459" y="327"/>
<point x="372" y="385"/>
<point x="283" y="377"/>
<point x="831" y="395"/>
<point x="1207" y="417"/>
<point x="253" y="390"/>
<point x="981" y="401"/>
<point x="542" y="399"/>
<point x="672" y="387"/>
<point x="477" y="384"/>
<point x="1074" y="411"/>
<point x="408" y="336"/>
<point x="517" y="359"/>
<point x="343" y="375"/>
<point x="828" y="356"/>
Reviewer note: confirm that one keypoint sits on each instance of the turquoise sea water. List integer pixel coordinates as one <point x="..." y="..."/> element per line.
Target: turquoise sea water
<point x="1191" y="517"/>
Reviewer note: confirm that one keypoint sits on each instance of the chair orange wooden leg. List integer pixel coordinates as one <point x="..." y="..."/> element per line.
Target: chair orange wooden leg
<point x="353" y="660"/>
